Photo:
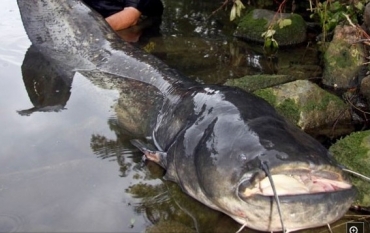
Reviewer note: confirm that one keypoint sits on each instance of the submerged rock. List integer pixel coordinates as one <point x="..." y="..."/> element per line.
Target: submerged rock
<point x="286" y="74"/>
<point x="257" y="21"/>
<point x="259" y="81"/>
<point x="353" y="151"/>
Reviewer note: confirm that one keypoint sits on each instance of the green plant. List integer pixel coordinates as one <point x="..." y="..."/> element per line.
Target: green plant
<point x="271" y="44"/>
<point x="330" y="13"/>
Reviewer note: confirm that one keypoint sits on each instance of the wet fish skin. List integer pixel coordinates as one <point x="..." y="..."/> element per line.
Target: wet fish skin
<point x="213" y="138"/>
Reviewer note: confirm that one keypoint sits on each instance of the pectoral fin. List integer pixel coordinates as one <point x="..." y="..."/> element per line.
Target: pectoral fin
<point x="151" y="153"/>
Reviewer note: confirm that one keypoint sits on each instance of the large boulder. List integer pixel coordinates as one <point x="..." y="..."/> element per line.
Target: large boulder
<point x="257" y="21"/>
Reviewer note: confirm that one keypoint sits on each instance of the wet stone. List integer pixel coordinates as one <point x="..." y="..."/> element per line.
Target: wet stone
<point x="309" y="107"/>
<point x="257" y="21"/>
<point x="353" y="152"/>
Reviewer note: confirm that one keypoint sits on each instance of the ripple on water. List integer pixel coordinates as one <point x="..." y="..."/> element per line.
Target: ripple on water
<point x="10" y="223"/>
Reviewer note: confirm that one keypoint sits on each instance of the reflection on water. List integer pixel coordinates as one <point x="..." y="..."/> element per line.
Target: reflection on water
<point x="48" y="85"/>
<point x="66" y="163"/>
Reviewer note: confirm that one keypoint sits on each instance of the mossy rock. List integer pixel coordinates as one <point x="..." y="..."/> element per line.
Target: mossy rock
<point x="308" y="106"/>
<point x="260" y="81"/>
<point x="353" y="151"/>
<point x="256" y="22"/>
<point x="365" y="88"/>
<point x="344" y="58"/>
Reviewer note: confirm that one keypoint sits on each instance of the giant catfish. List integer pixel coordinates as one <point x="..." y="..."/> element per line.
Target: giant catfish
<point x="223" y="146"/>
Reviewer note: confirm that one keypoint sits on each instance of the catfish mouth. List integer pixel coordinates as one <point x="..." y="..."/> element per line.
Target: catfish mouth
<point x="295" y="182"/>
<point x="308" y="197"/>
<point x="304" y="197"/>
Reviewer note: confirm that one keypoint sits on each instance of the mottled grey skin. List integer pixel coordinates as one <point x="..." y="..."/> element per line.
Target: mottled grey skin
<point x="213" y="138"/>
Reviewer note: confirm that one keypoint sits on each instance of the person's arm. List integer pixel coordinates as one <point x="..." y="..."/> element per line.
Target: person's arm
<point x="128" y="17"/>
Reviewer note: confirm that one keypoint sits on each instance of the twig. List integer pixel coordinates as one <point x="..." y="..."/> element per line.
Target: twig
<point x="364" y="34"/>
<point x="278" y="12"/>
<point x="349" y="20"/>
<point x="218" y="9"/>
<point x="337" y="121"/>
<point x="355" y="107"/>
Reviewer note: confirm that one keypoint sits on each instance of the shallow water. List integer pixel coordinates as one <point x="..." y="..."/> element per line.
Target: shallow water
<point x="50" y="178"/>
<point x="70" y="167"/>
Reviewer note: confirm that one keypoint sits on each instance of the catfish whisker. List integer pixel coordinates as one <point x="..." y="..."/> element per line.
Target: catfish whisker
<point x="357" y="174"/>
<point x="267" y="171"/>
<point x="329" y="228"/>
<point x="240" y="229"/>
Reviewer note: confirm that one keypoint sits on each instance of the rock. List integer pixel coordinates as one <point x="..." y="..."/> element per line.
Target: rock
<point x="365" y="88"/>
<point x="260" y="81"/>
<point x="256" y="22"/>
<point x="209" y="60"/>
<point x="367" y="18"/>
<point x="286" y="73"/>
<point x="344" y="59"/>
<point x="301" y="71"/>
<point x="353" y="151"/>
<point x="310" y="107"/>
<point x="289" y="65"/>
<point x="255" y="82"/>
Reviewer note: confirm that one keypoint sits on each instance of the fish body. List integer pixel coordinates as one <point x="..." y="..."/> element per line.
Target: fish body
<point x="215" y="141"/>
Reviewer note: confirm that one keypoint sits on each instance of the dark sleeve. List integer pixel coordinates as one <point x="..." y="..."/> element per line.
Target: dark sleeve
<point x="147" y="7"/>
<point x="109" y="7"/>
<point x="132" y="3"/>
<point x="106" y="7"/>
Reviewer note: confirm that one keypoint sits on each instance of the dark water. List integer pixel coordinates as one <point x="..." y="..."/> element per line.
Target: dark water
<point x="65" y="163"/>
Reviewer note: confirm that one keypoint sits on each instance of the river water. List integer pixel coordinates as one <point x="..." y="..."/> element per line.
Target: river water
<point x="65" y="165"/>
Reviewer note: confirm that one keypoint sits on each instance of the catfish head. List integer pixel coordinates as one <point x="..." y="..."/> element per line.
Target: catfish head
<point x="234" y="143"/>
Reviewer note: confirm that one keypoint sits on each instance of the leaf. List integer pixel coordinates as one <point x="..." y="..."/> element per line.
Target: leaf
<point x="359" y="6"/>
<point x="239" y="4"/>
<point x="233" y="13"/>
<point x="239" y="7"/>
<point x="284" y="23"/>
<point x="275" y="44"/>
<point x="268" y="33"/>
<point x="236" y="9"/>
<point x="335" y="6"/>
<point x="267" y="43"/>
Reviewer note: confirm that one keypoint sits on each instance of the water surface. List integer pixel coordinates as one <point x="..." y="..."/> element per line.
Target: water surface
<point x="66" y="165"/>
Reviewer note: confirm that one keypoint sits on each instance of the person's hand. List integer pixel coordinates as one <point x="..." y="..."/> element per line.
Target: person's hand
<point x="128" y="17"/>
